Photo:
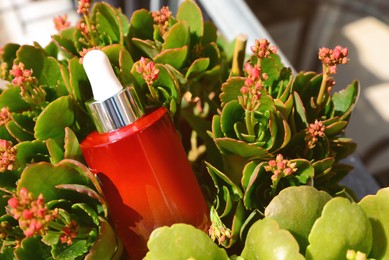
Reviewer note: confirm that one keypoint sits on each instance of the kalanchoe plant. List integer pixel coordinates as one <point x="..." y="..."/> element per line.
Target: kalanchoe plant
<point x="277" y="130"/>
<point x="256" y="129"/>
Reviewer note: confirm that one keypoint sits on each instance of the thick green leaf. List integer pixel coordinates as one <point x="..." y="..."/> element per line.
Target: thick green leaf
<point x="178" y="36"/>
<point x="344" y="100"/>
<point x="175" y="57"/>
<point x="33" y="58"/>
<point x="92" y="216"/>
<point x="197" y="67"/>
<point x="210" y="33"/>
<point x="79" y="87"/>
<point x="343" y="225"/>
<point x="182" y="241"/>
<point x="106" y="244"/>
<point x="147" y="46"/>
<point x="82" y="189"/>
<point x="221" y="180"/>
<point x="190" y="12"/>
<point x="55" y="151"/>
<point x="376" y="208"/>
<point x="65" y="42"/>
<point x="107" y="22"/>
<point x="296" y="209"/>
<point x="9" y="53"/>
<point x="18" y="133"/>
<point x="43" y="177"/>
<point x="232" y="112"/>
<point x="33" y="248"/>
<point x="25" y="121"/>
<point x="231" y="89"/>
<point x="243" y="149"/>
<point x="53" y="119"/>
<point x="52" y="76"/>
<point x="11" y="98"/>
<point x="168" y="82"/>
<point x="335" y="128"/>
<point x="31" y="151"/>
<point x="142" y="25"/>
<point x="65" y="251"/>
<point x="266" y="240"/>
<point x="72" y="146"/>
<point x="216" y="129"/>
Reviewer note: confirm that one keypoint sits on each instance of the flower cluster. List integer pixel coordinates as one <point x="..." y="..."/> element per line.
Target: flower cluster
<point x="218" y="230"/>
<point x="161" y="18"/>
<point x="84" y="6"/>
<point x="148" y="71"/>
<point x="33" y="215"/>
<point x="251" y="90"/>
<point x="8" y="155"/>
<point x="262" y="48"/>
<point x="330" y="58"/>
<point x="69" y="232"/>
<point x="280" y="167"/>
<point x="29" y="89"/>
<point x="5" y="116"/>
<point x="61" y="22"/>
<point x="315" y="130"/>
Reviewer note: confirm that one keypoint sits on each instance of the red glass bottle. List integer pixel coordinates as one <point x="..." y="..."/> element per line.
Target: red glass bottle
<point x="142" y="166"/>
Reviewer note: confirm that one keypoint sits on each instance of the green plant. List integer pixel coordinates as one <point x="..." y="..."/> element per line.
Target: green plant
<point x="299" y="223"/>
<point x="251" y="131"/>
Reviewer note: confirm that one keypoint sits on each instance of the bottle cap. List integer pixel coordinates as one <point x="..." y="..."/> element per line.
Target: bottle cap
<point x="112" y="106"/>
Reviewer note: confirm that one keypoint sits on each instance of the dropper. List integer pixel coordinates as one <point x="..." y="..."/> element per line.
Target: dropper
<point x="103" y="80"/>
<point x="112" y="106"/>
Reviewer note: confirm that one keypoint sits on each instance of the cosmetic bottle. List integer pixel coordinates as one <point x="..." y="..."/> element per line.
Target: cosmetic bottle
<point x="139" y="160"/>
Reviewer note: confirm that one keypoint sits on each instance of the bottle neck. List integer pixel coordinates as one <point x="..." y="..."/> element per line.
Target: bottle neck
<point x="115" y="112"/>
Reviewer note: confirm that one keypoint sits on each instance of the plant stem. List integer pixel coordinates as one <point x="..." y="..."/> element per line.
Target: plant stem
<point x="239" y="55"/>
<point x="249" y="119"/>
<point x="88" y="23"/>
<point x="323" y="88"/>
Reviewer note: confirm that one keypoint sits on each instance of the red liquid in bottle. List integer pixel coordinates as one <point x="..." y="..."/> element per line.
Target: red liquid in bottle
<point x="146" y="179"/>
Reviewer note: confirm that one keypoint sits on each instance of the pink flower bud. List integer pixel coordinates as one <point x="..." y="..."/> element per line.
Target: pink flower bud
<point x="13" y="202"/>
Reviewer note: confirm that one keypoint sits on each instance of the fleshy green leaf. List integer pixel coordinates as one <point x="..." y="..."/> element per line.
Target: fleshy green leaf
<point x="182" y="241"/>
<point x="72" y="146"/>
<point x="106" y="244"/>
<point x="142" y="25"/>
<point x="197" y="67"/>
<point x="190" y="12"/>
<point x="344" y="100"/>
<point x="175" y="57"/>
<point x="296" y="209"/>
<point x="11" y="98"/>
<point x="32" y="248"/>
<point x="266" y="240"/>
<point x="65" y="251"/>
<point x="53" y="119"/>
<point x="231" y="89"/>
<point x="31" y="151"/>
<point x="343" y="225"/>
<point x="178" y="36"/>
<point x="43" y="177"/>
<point x="376" y="208"/>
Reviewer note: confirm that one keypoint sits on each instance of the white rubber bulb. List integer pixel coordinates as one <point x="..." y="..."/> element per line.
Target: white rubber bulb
<point x="104" y="82"/>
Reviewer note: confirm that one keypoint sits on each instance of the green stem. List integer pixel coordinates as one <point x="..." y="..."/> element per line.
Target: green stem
<point x="89" y="24"/>
<point x="153" y="92"/>
<point x="55" y="225"/>
<point x="323" y="88"/>
<point x="249" y="119"/>
<point x="274" y="188"/>
<point x="239" y="55"/>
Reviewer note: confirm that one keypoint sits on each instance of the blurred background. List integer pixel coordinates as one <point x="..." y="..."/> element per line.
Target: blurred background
<point x="297" y="27"/>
